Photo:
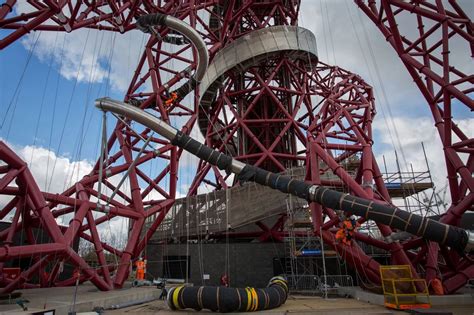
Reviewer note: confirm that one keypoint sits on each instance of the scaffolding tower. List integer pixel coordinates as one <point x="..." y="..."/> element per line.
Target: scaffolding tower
<point x="311" y="267"/>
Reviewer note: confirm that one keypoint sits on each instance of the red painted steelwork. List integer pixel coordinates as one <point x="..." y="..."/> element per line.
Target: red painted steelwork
<point x="448" y="90"/>
<point x="144" y="196"/>
<point x="277" y="114"/>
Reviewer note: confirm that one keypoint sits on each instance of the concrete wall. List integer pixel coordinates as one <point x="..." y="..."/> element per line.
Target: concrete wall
<point x="251" y="264"/>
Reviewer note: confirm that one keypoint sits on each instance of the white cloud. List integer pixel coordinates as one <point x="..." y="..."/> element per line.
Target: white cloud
<point x="91" y="56"/>
<point x="348" y="38"/>
<point x="52" y="173"/>
<point x="345" y="43"/>
<point x="100" y="56"/>
<point x="66" y="173"/>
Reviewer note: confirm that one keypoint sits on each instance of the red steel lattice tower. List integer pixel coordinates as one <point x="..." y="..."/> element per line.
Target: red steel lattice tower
<point x="279" y="107"/>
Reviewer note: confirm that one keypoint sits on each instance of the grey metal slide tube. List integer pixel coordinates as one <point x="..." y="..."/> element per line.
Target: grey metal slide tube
<point x="146" y="23"/>
<point x="444" y="234"/>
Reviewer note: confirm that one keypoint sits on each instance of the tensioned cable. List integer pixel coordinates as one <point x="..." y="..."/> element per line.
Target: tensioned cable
<point x="104" y="158"/>
<point x="69" y="107"/>
<point x="384" y="94"/>
<point x="104" y="149"/>
<point x="384" y="116"/>
<point x="15" y="98"/>
<point x="330" y="32"/>
<point x="199" y="246"/>
<point x="107" y="86"/>
<point x="92" y="78"/>
<point x="188" y="221"/>
<point x="127" y="173"/>
<point x="324" y="30"/>
<point x="369" y="70"/>
<point x="80" y="138"/>
<point x="54" y="112"/>
<point x="311" y="66"/>
<point x="227" y="257"/>
<point x="19" y="84"/>
<point x="132" y="130"/>
<point x="96" y="147"/>
<point x="53" y="54"/>
<point x="103" y="152"/>
<point x="45" y="88"/>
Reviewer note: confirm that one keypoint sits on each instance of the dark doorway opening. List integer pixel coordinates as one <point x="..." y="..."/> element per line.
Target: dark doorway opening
<point x="174" y="267"/>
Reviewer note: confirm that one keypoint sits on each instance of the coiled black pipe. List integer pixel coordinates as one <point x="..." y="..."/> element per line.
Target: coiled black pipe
<point x="224" y="300"/>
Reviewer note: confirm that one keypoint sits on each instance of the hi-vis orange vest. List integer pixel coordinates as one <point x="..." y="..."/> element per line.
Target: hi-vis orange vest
<point x="348" y="225"/>
<point x="140" y="265"/>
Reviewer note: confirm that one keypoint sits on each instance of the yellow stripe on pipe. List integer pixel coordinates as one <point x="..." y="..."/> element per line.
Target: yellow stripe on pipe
<point x="176" y="296"/>
<point x="255" y="297"/>
<point x="249" y="299"/>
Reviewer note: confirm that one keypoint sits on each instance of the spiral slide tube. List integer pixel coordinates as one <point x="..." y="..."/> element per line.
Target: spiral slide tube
<point x="146" y="23"/>
<point x="222" y="299"/>
<point x="444" y="234"/>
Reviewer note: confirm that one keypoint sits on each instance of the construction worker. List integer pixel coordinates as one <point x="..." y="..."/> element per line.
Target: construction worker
<point x="141" y="269"/>
<point x="347" y="230"/>
<point x="340" y="236"/>
<point x="173" y="97"/>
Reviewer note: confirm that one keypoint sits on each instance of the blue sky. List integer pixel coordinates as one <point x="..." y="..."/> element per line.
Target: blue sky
<point x="33" y="93"/>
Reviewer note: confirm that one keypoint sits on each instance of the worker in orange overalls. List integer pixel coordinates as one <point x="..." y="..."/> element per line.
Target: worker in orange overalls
<point x="141" y="268"/>
<point x="347" y="230"/>
<point x="173" y="97"/>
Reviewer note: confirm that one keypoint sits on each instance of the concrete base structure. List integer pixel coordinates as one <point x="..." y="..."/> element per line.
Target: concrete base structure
<point x="248" y="264"/>
<point x="88" y="297"/>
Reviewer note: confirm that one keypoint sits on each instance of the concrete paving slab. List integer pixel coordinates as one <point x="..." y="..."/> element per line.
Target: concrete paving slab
<point x="294" y="305"/>
<point x="87" y="298"/>
<point x="464" y="299"/>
